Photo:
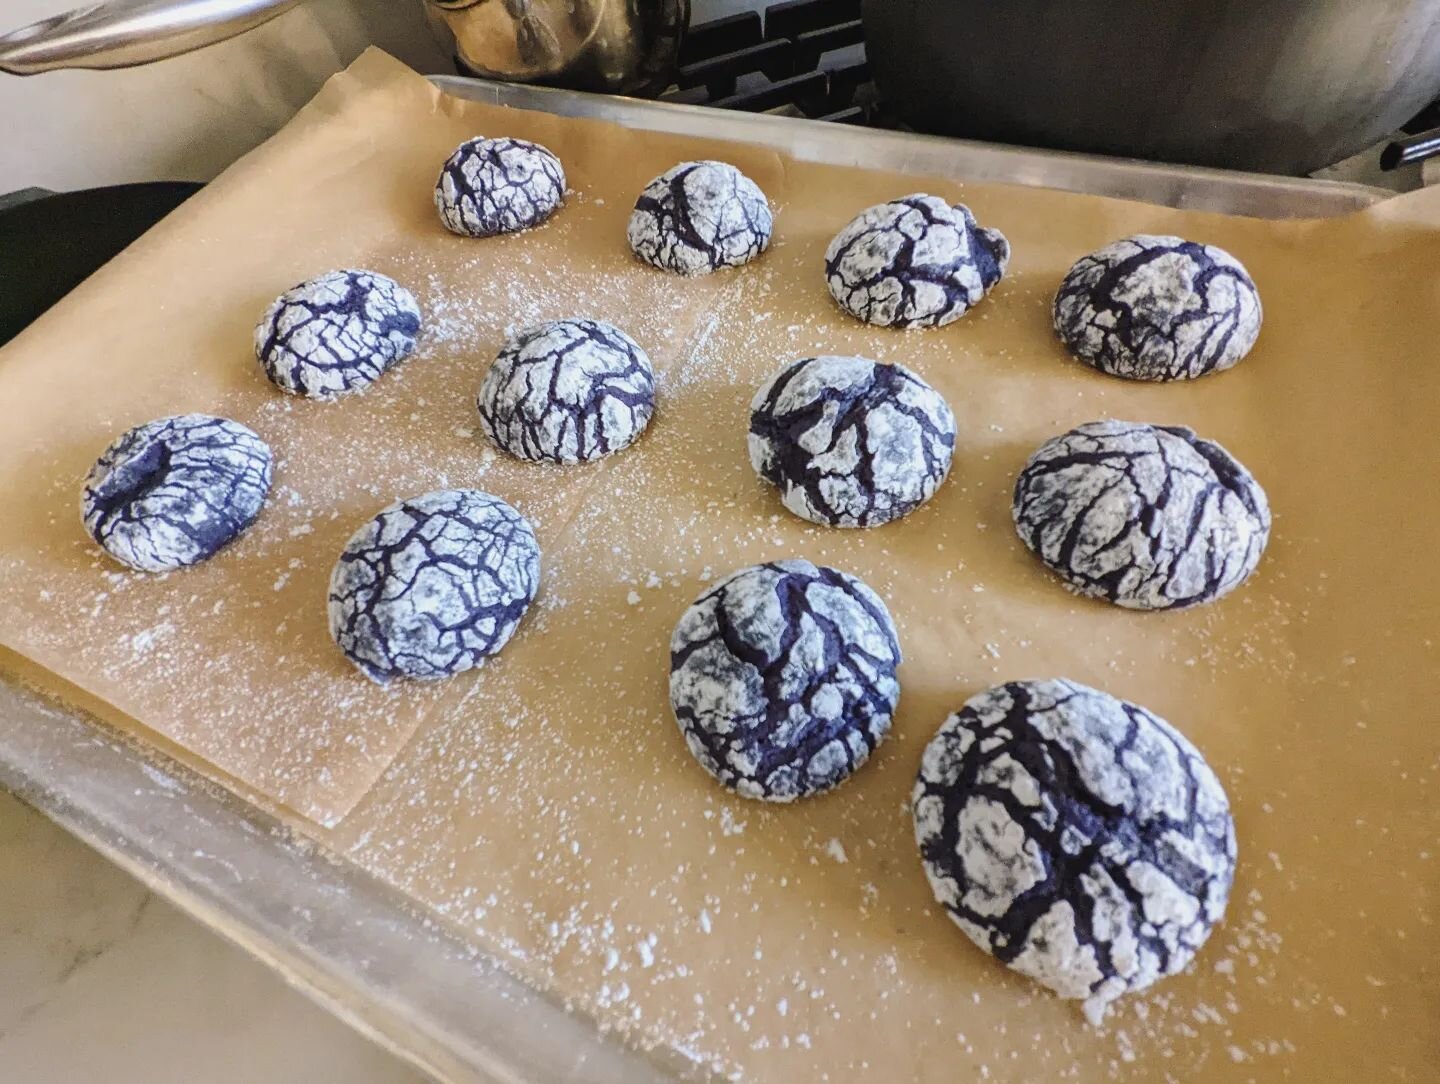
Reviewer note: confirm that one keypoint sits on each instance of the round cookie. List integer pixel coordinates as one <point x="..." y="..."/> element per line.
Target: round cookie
<point x="782" y="678"/>
<point x="914" y="262"/>
<point x="337" y="333"/>
<point x="172" y="492"/>
<point x="492" y="186"/>
<point x="567" y="391"/>
<point x="434" y="585"/>
<point x="1076" y="837"/>
<point x="1149" y="517"/>
<point x="1158" y="308"/>
<point x="850" y="442"/>
<point x="700" y="217"/>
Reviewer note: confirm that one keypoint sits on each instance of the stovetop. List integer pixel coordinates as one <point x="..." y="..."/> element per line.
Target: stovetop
<point x="805" y="58"/>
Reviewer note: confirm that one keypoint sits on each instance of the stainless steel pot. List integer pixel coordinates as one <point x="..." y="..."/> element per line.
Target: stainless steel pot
<point x="1282" y="86"/>
<point x="617" y="46"/>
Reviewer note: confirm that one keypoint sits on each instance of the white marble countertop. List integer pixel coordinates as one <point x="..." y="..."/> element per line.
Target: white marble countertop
<point x="89" y="953"/>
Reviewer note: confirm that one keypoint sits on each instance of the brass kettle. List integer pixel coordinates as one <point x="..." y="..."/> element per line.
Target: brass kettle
<point x="614" y="46"/>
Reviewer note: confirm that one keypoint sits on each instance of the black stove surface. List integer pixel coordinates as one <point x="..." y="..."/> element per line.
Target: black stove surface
<point x="50" y="242"/>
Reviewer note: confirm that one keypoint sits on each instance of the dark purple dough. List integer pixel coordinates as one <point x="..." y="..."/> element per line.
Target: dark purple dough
<point x="1076" y="837"/>
<point x="1150" y="517"/>
<point x="174" y="491"/>
<point x="434" y="585"/>
<point x="491" y="186"/>
<point x="337" y="333"/>
<point x="914" y="262"/>
<point x="1158" y="308"/>
<point x="699" y="217"/>
<point x="850" y="442"/>
<point x="782" y="678"/>
<point x="567" y="391"/>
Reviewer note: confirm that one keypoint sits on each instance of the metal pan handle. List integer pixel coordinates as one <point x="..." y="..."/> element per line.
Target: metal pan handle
<point x="123" y="33"/>
<point x="1413" y="148"/>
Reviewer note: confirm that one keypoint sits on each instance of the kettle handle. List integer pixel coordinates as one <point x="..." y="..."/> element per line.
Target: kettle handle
<point x="123" y="33"/>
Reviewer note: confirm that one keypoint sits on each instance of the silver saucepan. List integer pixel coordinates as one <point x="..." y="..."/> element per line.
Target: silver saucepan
<point x="616" y="46"/>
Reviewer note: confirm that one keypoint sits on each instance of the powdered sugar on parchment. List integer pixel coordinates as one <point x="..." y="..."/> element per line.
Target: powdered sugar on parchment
<point x="647" y="899"/>
<point x="546" y="809"/>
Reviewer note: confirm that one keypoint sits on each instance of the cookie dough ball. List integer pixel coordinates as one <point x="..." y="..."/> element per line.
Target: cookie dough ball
<point x="567" y="391"/>
<point x="172" y="492"/>
<point x="850" y="442"/>
<point x="434" y="585"/>
<point x="700" y="217"/>
<point x="1075" y="837"/>
<point x="1150" y="517"/>
<point x="914" y="262"/>
<point x="782" y="677"/>
<point x="1158" y="308"/>
<point x="336" y="334"/>
<point x="491" y="186"/>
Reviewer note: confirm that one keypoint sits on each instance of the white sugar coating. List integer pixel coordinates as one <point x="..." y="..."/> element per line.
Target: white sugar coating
<point x="560" y="938"/>
<point x="1158" y="308"/>
<point x="572" y="910"/>
<point x="1077" y="837"/>
<point x="700" y="217"/>
<point x="337" y="333"/>
<point x="567" y="391"/>
<point x="308" y="724"/>
<point x="594" y="923"/>
<point x="914" y="262"/>
<point x="433" y="585"/>
<point x="1149" y="517"/>
<point x="848" y="442"/>
<point x="492" y="186"/>
<point x="782" y="678"/>
<point x="173" y="492"/>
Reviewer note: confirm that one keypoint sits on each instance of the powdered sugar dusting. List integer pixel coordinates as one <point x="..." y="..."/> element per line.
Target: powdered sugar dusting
<point x="547" y="811"/>
<point x="566" y="783"/>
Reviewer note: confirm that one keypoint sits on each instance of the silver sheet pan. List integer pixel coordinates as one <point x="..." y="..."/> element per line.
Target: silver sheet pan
<point x="339" y="935"/>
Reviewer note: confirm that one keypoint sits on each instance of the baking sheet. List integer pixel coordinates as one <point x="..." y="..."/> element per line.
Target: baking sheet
<point x="546" y="806"/>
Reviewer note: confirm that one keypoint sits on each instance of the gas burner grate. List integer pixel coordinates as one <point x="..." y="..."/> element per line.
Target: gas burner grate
<point x="801" y="57"/>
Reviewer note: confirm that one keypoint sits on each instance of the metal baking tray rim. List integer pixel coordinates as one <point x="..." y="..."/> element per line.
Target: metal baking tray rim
<point x="1196" y="188"/>
<point x="350" y="942"/>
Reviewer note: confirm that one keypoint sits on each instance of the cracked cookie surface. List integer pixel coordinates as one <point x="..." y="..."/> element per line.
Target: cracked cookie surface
<point x="337" y="333"/>
<point x="1149" y="517"/>
<point x="700" y="217"/>
<point x="914" y="262"/>
<point x="1158" y="308"/>
<point x="782" y="678"/>
<point x="1076" y="837"/>
<point x="434" y="585"/>
<point x="493" y="186"/>
<point x="172" y="492"/>
<point x="567" y="391"/>
<point x="850" y="442"/>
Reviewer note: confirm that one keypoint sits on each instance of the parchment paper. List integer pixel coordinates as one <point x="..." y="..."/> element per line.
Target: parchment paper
<point x="546" y="806"/>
